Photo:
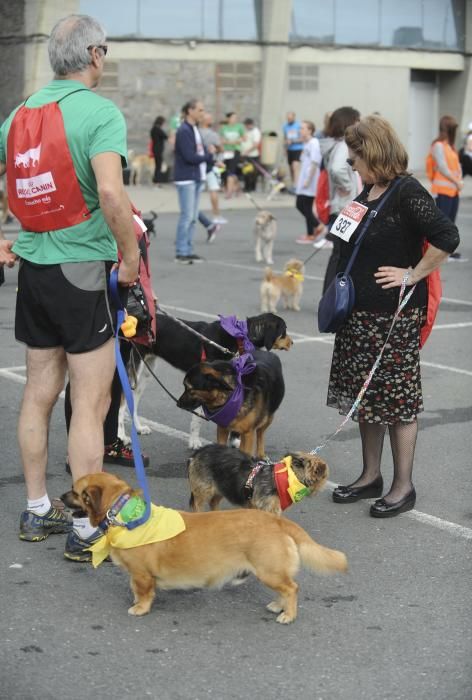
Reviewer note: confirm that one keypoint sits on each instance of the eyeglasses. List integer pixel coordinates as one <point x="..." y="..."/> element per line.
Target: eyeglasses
<point x="103" y="47"/>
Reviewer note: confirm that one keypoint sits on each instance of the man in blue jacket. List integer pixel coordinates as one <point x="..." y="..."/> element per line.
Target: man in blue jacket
<point x="190" y="167"/>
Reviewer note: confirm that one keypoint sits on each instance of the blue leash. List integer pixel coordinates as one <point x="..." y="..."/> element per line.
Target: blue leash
<point x="123" y="374"/>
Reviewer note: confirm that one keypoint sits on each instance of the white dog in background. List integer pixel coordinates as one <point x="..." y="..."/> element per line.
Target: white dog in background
<point x="265" y="231"/>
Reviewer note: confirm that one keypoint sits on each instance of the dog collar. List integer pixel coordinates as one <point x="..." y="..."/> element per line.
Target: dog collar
<point x="112" y="512"/>
<point x="244" y="364"/>
<point x="296" y="275"/>
<point x="237" y="329"/>
<point x="289" y="488"/>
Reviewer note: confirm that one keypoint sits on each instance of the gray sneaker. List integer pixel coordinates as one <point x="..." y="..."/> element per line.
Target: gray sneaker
<point x="34" y="528"/>
<point x="212" y="231"/>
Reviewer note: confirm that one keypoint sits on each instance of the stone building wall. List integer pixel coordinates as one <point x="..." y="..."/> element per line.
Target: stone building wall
<point x="12" y="55"/>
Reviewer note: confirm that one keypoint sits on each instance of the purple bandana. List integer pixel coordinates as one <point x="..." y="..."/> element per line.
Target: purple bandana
<point x="237" y="329"/>
<point x="244" y="364"/>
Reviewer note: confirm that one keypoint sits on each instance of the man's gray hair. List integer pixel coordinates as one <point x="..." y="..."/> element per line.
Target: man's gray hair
<point x="68" y="43"/>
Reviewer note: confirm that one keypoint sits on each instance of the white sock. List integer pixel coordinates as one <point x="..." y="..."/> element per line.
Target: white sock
<point x="83" y="527"/>
<point x="40" y="506"/>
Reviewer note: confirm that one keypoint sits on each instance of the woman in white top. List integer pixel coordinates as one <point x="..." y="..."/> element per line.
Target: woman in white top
<point x="310" y="162"/>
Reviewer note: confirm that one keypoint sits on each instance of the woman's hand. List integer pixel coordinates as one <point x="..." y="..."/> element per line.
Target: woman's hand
<point x="389" y="277"/>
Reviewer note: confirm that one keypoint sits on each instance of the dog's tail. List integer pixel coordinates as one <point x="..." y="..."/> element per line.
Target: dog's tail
<point x="313" y="555"/>
<point x="268" y="274"/>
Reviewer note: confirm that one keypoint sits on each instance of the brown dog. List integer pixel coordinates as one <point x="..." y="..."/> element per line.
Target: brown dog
<point x="214" y="548"/>
<point x="216" y="472"/>
<point x="289" y="286"/>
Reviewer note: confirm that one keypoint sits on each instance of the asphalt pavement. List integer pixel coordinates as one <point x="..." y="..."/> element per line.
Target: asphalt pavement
<point x="397" y="626"/>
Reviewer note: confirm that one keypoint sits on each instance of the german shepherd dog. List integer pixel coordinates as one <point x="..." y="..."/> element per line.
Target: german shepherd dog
<point x="217" y="471"/>
<point x="211" y="384"/>
<point x="181" y="349"/>
<point x="214" y="549"/>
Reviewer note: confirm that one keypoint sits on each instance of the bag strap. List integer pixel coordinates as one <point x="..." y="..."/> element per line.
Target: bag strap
<point x="372" y="214"/>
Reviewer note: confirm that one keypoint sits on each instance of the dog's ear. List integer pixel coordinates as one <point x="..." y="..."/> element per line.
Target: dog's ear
<point x="271" y="333"/>
<point x="92" y="500"/>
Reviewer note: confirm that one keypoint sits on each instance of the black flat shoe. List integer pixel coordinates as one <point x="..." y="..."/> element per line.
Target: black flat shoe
<point x="350" y="494"/>
<point x="382" y="509"/>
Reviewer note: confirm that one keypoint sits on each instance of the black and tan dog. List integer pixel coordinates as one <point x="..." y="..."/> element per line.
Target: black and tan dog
<point x="213" y="549"/>
<point x="216" y="472"/>
<point x="212" y="384"/>
<point x="182" y="349"/>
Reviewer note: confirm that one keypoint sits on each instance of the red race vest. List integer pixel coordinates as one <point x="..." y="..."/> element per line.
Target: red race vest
<point x="43" y="190"/>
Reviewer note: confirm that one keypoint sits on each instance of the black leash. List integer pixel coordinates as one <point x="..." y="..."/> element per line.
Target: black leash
<point x="174" y="399"/>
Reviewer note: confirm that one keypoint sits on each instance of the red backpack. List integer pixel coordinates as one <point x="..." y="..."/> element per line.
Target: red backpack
<point x="43" y="190"/>
<point x="434" y="287"/>
<point x="322" y="197"/>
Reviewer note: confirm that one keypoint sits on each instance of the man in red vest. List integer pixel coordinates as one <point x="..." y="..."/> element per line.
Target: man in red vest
<point x="63" y="151"/>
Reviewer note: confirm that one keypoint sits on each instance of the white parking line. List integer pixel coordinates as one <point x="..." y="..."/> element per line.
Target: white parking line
<point x="163" y="429"/>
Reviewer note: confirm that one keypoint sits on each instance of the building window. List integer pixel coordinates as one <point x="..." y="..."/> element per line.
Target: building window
<point x="229" y="20"/>
<point x="430" y="25"/>
<point x="303" y="77"/>
<point x="235" y="76"/>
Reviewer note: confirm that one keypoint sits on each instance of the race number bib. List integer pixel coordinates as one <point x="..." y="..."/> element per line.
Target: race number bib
<point x="348" y="220"/>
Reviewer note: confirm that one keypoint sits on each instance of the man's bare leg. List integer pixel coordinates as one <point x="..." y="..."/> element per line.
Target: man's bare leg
<point x="45" y="376"/>
<point x="90" y="375"/>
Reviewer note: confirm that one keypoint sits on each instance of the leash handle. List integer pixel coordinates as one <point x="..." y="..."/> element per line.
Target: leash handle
<point x="123" y="374"/>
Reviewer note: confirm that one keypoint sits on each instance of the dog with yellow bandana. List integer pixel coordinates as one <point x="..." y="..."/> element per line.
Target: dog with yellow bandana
<point x="288" y="285"/>
<point x="216" y="472"/>
<point x="200" y="550"/>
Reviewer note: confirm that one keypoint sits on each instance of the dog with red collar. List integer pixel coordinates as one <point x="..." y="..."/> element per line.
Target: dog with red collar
<point x="216" y="472"/>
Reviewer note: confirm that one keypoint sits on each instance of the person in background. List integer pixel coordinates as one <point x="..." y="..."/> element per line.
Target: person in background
<point x="310" y="162"/>
<point x="447" y="173"/>
<point x="212" y="138"/>
<point x="191" y="162"/>
<point x="390" y="252"/>
<point x="465" y="154"/>
<point x="158" y="138"/>
<point x="344" y="183"/>
<point x="63" y="310"/>
<point x="232" y="133"/>
<point x="293" y="145"/>
<point x="250" y="154"/>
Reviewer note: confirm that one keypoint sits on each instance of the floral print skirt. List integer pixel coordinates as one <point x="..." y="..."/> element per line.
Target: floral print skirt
<point x="394" y="393"/>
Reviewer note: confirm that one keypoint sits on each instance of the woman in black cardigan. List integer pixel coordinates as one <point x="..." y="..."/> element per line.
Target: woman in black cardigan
<point x="392" y="247"/>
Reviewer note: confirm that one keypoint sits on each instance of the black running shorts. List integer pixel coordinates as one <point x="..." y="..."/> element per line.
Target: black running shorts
<point x="64" y="306"/>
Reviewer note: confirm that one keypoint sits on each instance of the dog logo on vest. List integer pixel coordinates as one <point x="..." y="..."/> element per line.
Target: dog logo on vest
<point x="28" y="158"/>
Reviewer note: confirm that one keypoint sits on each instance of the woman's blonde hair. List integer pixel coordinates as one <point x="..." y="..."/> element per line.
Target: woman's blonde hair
<point x="374" y="140"/>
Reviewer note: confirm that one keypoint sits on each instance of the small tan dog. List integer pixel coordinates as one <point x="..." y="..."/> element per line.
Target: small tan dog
<point x="265" y="231"/>
<point x="288" y="285"/>
<point x="141" y="167"/>
<point x="213" y="549"/>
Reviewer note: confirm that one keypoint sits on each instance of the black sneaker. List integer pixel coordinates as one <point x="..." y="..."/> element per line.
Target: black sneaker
<point x="122" y="454"/>
<point x="77" y="549"/>
<point x="456" y="257"/>
<point x="183" y="259"/>
<point x="195" y="258"/>
<point x="34" y="528"/>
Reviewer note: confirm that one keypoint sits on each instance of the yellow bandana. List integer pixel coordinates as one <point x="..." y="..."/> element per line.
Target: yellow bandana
<point x="163" y="524"/>
<point x="297" y="275"/>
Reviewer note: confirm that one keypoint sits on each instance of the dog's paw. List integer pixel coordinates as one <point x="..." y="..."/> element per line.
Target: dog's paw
<point x="274" y="607"/>
<point x="143" y="429"/>
<point x="284" y="618"/>
<point x="138" y="610"/>
<point x="269" y="262"/>
<point x="195" y="443"/>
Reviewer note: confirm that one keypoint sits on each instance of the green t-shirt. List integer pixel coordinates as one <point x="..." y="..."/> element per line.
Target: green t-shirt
<point x="92" y="125"/>
<point x="231" y="133"/>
